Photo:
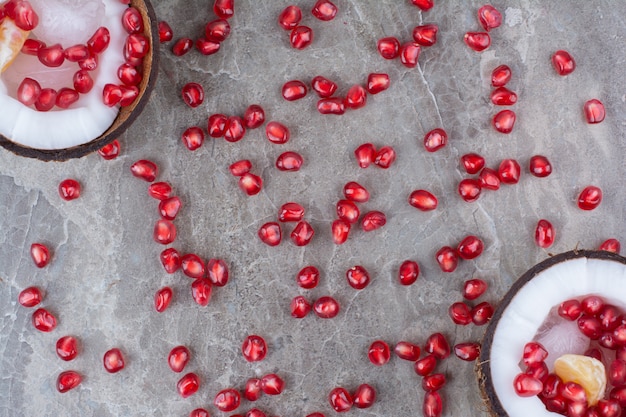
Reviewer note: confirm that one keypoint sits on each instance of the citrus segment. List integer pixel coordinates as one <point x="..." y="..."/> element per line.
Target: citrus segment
<point x="586" y="371"/>
<point x="11" y="40"/>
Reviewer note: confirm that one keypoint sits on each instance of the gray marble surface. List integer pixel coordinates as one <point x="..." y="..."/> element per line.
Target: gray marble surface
<point x="105" y="267"/>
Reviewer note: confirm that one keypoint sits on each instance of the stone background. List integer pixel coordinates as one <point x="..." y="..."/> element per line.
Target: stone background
<point x="105" y="268"/>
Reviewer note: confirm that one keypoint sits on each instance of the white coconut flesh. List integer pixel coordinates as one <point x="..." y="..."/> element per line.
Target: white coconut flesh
<point x="89" y="117"/>
<point x="527" y="312"/>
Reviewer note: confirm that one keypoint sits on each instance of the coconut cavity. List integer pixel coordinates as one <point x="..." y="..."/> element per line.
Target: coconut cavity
<point x="527" y="313"/>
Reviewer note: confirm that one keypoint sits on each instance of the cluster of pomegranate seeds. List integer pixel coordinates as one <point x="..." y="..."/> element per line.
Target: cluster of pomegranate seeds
<point x="463" y="314"/>
<point x="469" y="248"/>
<point x="489" y="18"/>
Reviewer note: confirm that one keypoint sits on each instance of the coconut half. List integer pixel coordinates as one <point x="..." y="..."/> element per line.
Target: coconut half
<point x="87" y="126"/>
<point x="524" y="309"/>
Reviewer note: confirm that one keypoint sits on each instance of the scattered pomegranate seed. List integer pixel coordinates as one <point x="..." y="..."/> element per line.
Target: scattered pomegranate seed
<point x="500" y="76"/>
<point x="277" y="133"/>
<point x="254" y="412"/>
<point x="252" y="390"/>
<point x="509" y="171"/>
<point x="502" y="96"/>
<point x="460" y="313"/>
<point x="300" y="307"/>
<point x="407" y="351"/>
<point x="68" y="380"/>
<point x="408" y="273"/>
<point x="250" y="184"/>
<point x="166" y="33"/>
<point x="171" y="260"/>
<point x="563" y="63"/>
<point x="51" y="56"/>
<point x="365" y="154"/>
<point x="409" y="54"/>
<point x="69" y="189"/>
<point x="433" y="382"/>
<point x="39" y="254"/>
<point x="340" y="400"/>
<point x="340" y="230"/>
<point x="224" y="9"/>
<point x="193" y="94"/>
<point x="227" y="400"/>
<point x="43" y="320"/>
<point x="426" y="365"/>
<point x="67" y="348"/>
<point x="356" y="97"/>
<point x="324" y="10"/>
<point x="424" y="5"/>
<point x="217" y="30"/>
<point x="164" y="232"/>
<point x="308" y="277"/>
<point x="83" y="83"/>
<point x="504" y="121"/>
<point x="388" y="48"/>
<point x="489" y="17"/>
<point x="544" y="234"/>
<point x="437" y="344"/>
<point x="302" y="233"/>
<point x="435" y="140"/>
<point x="354" y="191"/>
<point x="611" y="245"/>
<point x="253" y="117"/>
<point x="28" y="91"/>
<point x="240" y="168"/>
<point x="188" y="385"/>
<point x="425" y="35"/>
<point x="540" y="166"/>
<point x="377" y="83"/>
<point x="470" y="189"/>
<point x="144" y="169"/>
<point x="489" y="179"/>
<point x="162" y="299"/>
<point x="199" y="412"/>
<point x="423" y="200"/>
<point x="254" y="348"/>
<point x="132" y="21"/>
<point x="207" y="47"/>
<point x="201" y="290"/>
<point x="217" y="272"/>
<point x="169" y="208"/>
<point x="590" y="198"/>
<point x="358" y="277"/>
<point x="348" y="211"/>
<point x="113" y="360"/>
<point x="379" y="353"/>
<point x="290" y="17"/>
<point x="326" y="307"/>
<point x="526" y="385"/>
<point x="192" y="266"/>
<point x="477" y="41"/>
<point x="270" y="233"/>
<point x="474" y="288"/>
<point x="193" y="138"/>
<point x="289" y="161"/>
<point x="467" y="351"/>
<point x="385" y="157"/>
<point x="472" y="162"/>
<point x="301" y="37"/>
<point x="482" y="313"/>
<point x="178" y="358"/>
<point x="433" y="405"/>
<point x="594" y="111"/>
<point x="30" y="297"/>
<point x="447" y="259"/>
<point x="111" y="95"/>
<point x="470" y="247"/>
<point x="110" y="150"/>
<point x="136" y="46"/>
<point x="272" y="384"/>
<point x="373" y="220"/>
<point x="323" y="86"/>
<point x="234" y="129"/>
<point x="331" y="105"/>
<point x="294" y="90"/>
<point x="217" y="125"/>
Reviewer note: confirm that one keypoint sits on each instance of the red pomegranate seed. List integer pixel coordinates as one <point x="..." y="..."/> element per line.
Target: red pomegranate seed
<point x="356" y="97"/>
<point x="611" y="245"/>
<point x="113" y="360"/>
<point x="470" y="247"/>
<point x="162" y="299"/>
<point x="253" y="117"/>
<point x="550" y="386"/>
<point x="199" y="412"/>
<point x="193" y="94"/>
<point x="358" y="277"/>
<point x="426" y="365"/>
<point x="509" y="171"/>
<point x="489" y="179"/>
<point x="425" y="35"/>
<point x="201" y="290"/>
<point x="178" y="358"/>
<point x="469" y="189"/>
<point x="270" y="234"/>
<point x="43" y="320"/>
<point x="272" y="384"/>
<point x="251" y="184"/>
<point x="424" y="5"/>
<point x="67" y="348"/>
<point x="291" y="212"/>
<point x="68" y="380"/>
<point x="308" y="277"/>
<point x="377" y="83"/>
<point x="132" y="21"/>
<point x="128" y="74"/>
<point x="540" y="166"/>
<point x="90" y="63"/>
<point x="608" y="341"/>
<point x="83" y="83"/>
<point x="99" y="41"/>
<point x="136" y="46"/>
<point x="504" y="121"/>
<point x="610" y="316"/>
<point x="433" y="405"/>
<point x="217" y="125"/>
<point x="594" y="111"/>
<point x="389" y="48"/>
<point x="472" y="162"/>
<point x="619" y="394"/>
<point x="227" y="400"/>
<point x="324" y="10"/>
<point x="207" y="47"/>
<point x="409" y="54"/>
<point x="300" y="307"/>
<point x="435" y="140"/>
<point x="30" y="297"/>
<point x="527" y="385"/>
<point x="252" y="390"/>
<point x="477" y="41"/>
<point x="500" y="76"/>
<point x="234" y="129"/>
<point x="188" y="385"/>
<point x="302" y="233"/>
<point x="590" y="326"/>
<point x="482" y="313"/>
<point x="31" y="46"/>
<point x="164" y="232"/>
<point x="294" y="90"/>
<point x="24" y="16"/>
<point x="166" y="33"/>
<point x="563" y="63"/>
<point x="39" y="254"/>
<point x="447" y="259"/>
<point x="326" y="307"/>
<point x="379" y="353"/>
<point x="46" y="99"/>
<point x="110" y="150"/>
<point x="467" y="351"/>
<point x="254" y="348"/>
<point x="385" y="157"/>
<point x="192" y="265"/>
<point x="340" y="230"/>
<point x="407" y="351"/>
<point x="255" y="412"/>
<point x="331" y="105"/>
<point x="290" y="17"/>
<point x="289" y="161"/>
<point x="460" y="313"/>
<point x="570" y="310"/>
<point x="340" y="400"/>
<point x="69" y="189"/>
<point x="301" y="37"/>
<point x="51" y="56"/>
<point x="573" y="392"/>
<point x="193" y="138"/>
<point x="240" y="168"/>
<point x="373" y="220"/>
<point x="489" y="17"/>
<point x="182" y="46"/>
<point x="589" y="198"/>
<point x="502" y="96"/>
<point x="28" y="91"/>
<point x="619" y="334"/>
<point x="144" y="169"/>
<point x="592" y="305"/>
<point x="474" y="288"/>
<point x="217" y="30"/>
<point x="66" y="97"/>
<point x="437" y="344"/>
<point x="348" y="211"/>
<point x="277" y="133"/>
<point x="224" y="9"/>
<point x="433" y="382"/>
<point x="364" y="396"/>
<point x="111" y="94"/>
<point x="323" y="86"/>
<point x="171" y="260"/>
<point x="609" y="408"/>
<point x="423" y="200"/>
<point x="408" y="273"/>
<point x="544" y="234"/>
<point x="365" y="154"/>
<point x="617" y="373"/>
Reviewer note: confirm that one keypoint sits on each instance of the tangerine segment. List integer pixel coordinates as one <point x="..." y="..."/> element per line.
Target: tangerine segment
<point x="586" y="371"/>
<point x="12" y="39"/>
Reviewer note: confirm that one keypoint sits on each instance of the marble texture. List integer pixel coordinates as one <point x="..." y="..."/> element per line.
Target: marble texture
<point x="105" y="268"/>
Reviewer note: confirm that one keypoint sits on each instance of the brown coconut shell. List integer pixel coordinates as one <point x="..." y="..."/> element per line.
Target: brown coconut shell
<point x="483" y="366"/>
<point x="126" y="116"/>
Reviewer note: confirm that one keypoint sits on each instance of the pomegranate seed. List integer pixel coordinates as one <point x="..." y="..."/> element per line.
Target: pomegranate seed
<point x="224" y="9"/>
<point x="90" y="63"/>
<point x="563" y="63"/>
<point x="28" y="91"/>
<point x="192" y="266"/>
<point x="348" y="211"/>
<point x="234" y="129"/>
<point x="423" y="200"/>
<point x="207" y="47"/>
<point x="423" y="4"/>
<point x="407" y="351"/>
<point x="166" y="33"/>
<point x="364" y="396"/>
<point x="193" y="94"/>
<point x="469" y="189"/>
<point x="435" y="140"/>
<point x="356" y="97"/>
<point x="227" y="400"/>
<point x="113" y="360"/>
<point x="385" y="157"/>
<point x="551" y="386"/>
<point x="178" y="358"/>
<point x="504" y="121"/>
<point x="301" y="37"/>
<point x="277" y="133"/>
<point x="425" y="35"/>
<point x="340" y="400"/>
<point x="460" y="313"/>
<point x="573" y="392"/>
<point x="132" y="20"/>
<point x="388" y="48"/>
<point x="240" y="168"/>
<point x="217" y="125"/>
<point x="40" y="254"/>
<point x="129" y="94"/>
<point x="51" y="56"/>
<point x="474" y="288"/>
<point x="432" y="404"/>
<point x="377" y="83"/>
<point x="544" y="234"/>
<point x="68" y="380"/>
<point x="251" y="184"/>
<point x="332" y="105"/>
<point x="30" y="297"/>
<point x="594" y="111"/>
<point x="199" y="412"/>
<point x="619" y="394"/>
<point x="291" y="212"/>
<point x="590" y="198"/>
<point x="43" y="320"/>
<point x="610" y="245"/>
<point x="24" y="16"/>
<point x="467" y="351"/>
<point x="164" y="232"/>
<point x="590" y="327"/>
<point x="67" y="348"/>
<point x="308" y="277"/>
<point x="300" y="307"/>
<point x="526" y="385"/>
<point x="110" y="150"/>
<point x="592" y="305"/>
<point x="489" y="17"/>
<point x="46" y="99"/>
<point x="193" y="138"/>
<point x="502" y="96"/>
<point x="489" y="179"/>
<point x="252" y="390"/>
<point x="472" y="162"/>
<point x="570" y="310"/>
<point x="272" y="384"/>
<point x="426" y="365"/>
<point x="217" y="30"/>
<point x="408" y="272"/>
<point x="540" y="166"/>
<point x="111" y="94"/>
<point x="358" y="277"/>
<point x="509" y="171"/>
<point x="270" y="234"/>
<point x="182" y="46"/>
<point x="289" y="161"/>
<point x="290" y="17"/>
<point x="254" y="412"/>
<point x="409" y="54"/>
<point x="470" y="247"/>
<point x="294" y="90"/>
<point x="31" y="46"/>
<point x="433" y="382"/>
<point x="171" y="260"/>
<point x="136" y="46"/>
<point x="254" y="348"/>
<point x="482" y="313"/>
<point x="129" y="75"/>
<point x="534" y="352"/>
<point x="162" y="299"/>
<point x="607" y="340"/>
<point x="99" y="41"/>
<point x="373" y="220"/>
<point x="326" y="307"/>
<point x="302" y="233"/>
<point x="324" y="10"/>
<point x="253" y="117"/>
<point x="437" y="344"/>
<point x="188" y="385"/>
<point x="83" y="83"/>
<point x="609" y="408"/>
<point x="379" y="353"/>
<point x="365" y="154"/>
<point x="447" y="259"/>
<point x="477" y="41"/>
<point x="323" y="86"/>
<point x="201" y="290"/>
<point x="500" y="76"/>
<point x="69" y="189"/>
<point x="340" y="230"/>
<point x="617" y="373"/>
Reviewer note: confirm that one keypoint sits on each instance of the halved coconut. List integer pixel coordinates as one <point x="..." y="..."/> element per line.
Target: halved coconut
<point x="87" y="126"/>
<point x="522" y="313"/>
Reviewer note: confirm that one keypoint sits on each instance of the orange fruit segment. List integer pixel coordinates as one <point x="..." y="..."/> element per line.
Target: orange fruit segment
<point x="586" y="371"/>
<point x="12" y="39"/>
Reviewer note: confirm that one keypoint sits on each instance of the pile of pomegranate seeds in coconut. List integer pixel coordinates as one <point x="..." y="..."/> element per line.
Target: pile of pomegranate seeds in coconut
<point x="358" y="317"/>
